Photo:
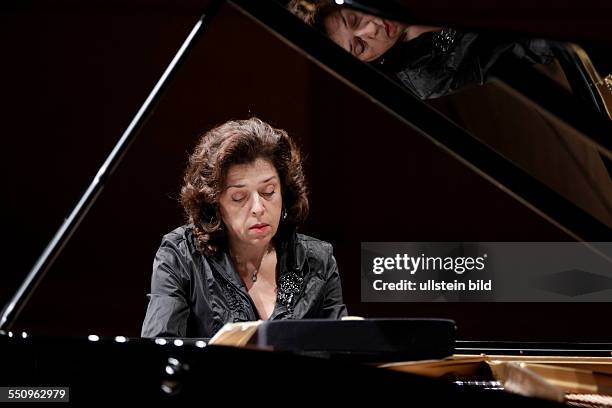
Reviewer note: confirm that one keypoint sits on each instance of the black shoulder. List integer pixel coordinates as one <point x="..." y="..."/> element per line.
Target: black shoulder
<point x="180" y="237"/>
<point x="315" y="247"/>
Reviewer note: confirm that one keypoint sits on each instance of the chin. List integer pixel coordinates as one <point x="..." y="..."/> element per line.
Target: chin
<point x="265" y="239"/>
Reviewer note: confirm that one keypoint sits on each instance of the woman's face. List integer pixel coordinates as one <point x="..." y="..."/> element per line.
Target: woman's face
<point x="251" y="203"/>
<point x="365" y="36"/>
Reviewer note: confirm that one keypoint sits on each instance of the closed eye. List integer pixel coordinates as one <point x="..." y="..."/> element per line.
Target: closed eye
<point x="238" y="197"/>
<point x="360" y="47"/>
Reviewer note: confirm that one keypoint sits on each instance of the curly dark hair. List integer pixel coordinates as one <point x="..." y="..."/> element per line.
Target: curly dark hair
<point x="239" y="142"/>
<point x="313" y="12"/>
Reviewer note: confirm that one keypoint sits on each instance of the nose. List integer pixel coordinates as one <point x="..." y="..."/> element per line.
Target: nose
<point x="368" y="30"/>
<point x="257" y="207"/>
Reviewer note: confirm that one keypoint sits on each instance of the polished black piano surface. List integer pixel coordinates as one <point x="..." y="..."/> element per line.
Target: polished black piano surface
<point x="191" y="371"/>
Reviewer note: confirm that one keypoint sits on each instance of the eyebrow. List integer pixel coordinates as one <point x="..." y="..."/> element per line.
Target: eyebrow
<point x="266" y="180"/>
<point x="244" y="185"/>
<point x="346" y="26"/>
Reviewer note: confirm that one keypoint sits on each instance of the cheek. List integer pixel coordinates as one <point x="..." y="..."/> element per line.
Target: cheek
<point x="376" y="49"/>
<point x="279" y="203"/>
<point x="384" y="45"/>
<point x="231" y="216"/>
<point x="275" y="209"/>
<point x="239" y="217"/>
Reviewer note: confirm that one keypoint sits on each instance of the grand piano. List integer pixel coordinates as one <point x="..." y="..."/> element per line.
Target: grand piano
<point x="480" y="164"/>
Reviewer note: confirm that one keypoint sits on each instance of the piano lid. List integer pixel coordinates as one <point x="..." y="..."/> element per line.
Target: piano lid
<point x="540" y="104"/>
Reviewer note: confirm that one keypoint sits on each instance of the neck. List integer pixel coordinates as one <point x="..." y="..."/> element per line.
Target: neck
<point x="248" y="258"/>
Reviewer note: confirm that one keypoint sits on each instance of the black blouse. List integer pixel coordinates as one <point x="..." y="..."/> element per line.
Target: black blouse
<point x="440" y="63"/>
<point x="193" y="295"/>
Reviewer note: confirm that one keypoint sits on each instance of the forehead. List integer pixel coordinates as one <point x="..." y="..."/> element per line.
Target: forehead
<point x="336" y="30"/>
<point x="248" y="173"/>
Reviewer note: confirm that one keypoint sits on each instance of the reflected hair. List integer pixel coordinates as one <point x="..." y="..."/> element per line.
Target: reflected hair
<point x="313" y="12"/>
<point x="239" y="142"/>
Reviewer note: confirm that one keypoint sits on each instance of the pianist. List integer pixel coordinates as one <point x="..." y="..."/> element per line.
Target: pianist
<point x="239" y="258"/>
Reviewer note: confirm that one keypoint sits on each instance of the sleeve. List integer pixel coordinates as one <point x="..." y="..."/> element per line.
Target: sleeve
<point x="333" y="305"/>
<point x="168" y="308"/>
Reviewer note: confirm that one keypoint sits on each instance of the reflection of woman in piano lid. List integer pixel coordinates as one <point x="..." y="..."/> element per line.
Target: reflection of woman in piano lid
<point x="429" y="61"/>
<point x="365" y="36"/>
<point x="240" y="258"/>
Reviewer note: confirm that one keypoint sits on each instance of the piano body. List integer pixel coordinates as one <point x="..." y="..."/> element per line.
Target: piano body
<point x="467" y="166"/>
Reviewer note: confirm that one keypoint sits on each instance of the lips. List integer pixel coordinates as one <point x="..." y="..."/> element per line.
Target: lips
<point x="259" y="227"/>
<point x="389" y="28"/>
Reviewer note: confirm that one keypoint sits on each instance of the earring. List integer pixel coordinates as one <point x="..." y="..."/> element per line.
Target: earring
<point x="284" y="214"/>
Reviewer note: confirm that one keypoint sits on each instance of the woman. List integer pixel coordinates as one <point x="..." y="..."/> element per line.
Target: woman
<point x="429" y="61"/>
<point x="240" y="258"/>
<point x="365" y="36"/>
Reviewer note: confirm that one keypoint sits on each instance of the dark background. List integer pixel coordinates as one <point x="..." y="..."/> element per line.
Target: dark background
<point x="71" y="82"/>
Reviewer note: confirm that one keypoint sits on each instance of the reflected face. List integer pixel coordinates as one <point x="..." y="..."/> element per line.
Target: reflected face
<point x="251" y="203"/>
<point x="365" y="36"/>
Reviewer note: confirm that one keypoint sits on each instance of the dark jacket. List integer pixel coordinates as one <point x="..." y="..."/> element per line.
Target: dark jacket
<point x="440" y="63"/>
<point x="193" y="295"/>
